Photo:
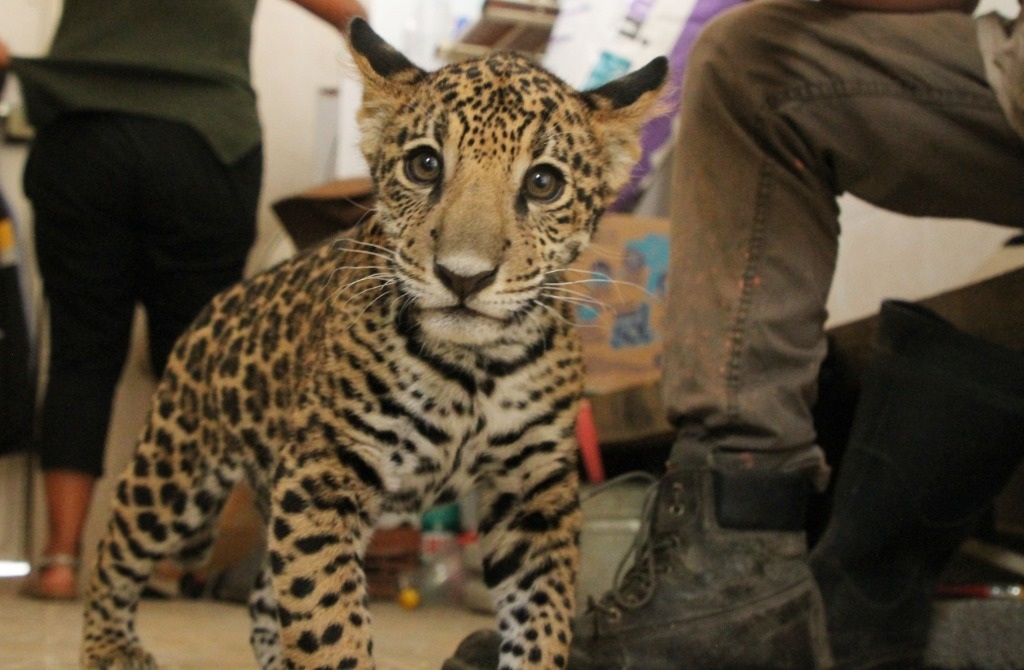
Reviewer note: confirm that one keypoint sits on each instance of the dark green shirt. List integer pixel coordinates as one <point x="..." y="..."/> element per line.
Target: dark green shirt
<point x="178" y="60"/>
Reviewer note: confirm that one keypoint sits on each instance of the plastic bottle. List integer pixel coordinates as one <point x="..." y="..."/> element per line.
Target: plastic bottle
<point x="440" y="577"/>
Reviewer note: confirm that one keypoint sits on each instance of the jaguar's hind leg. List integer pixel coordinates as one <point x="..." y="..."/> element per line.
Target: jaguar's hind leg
<point x="109" y="638"/>
<point x="266" y="633"/>
<point x="165" y="503"/>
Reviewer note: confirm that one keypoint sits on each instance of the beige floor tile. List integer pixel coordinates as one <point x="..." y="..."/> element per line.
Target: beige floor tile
<point x="206" y="635"/>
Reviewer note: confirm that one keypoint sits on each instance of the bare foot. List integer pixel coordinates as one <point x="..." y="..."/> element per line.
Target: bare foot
<point x="56" y="578"/>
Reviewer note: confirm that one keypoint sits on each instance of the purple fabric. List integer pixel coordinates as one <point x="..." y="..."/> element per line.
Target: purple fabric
<point x="657" y="134"/>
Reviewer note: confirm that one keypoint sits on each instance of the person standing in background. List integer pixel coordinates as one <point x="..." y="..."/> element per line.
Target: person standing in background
<point x="144" y="178"/>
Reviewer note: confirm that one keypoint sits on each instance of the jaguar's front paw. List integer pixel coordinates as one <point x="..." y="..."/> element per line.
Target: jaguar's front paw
<point x="132" y="658"/>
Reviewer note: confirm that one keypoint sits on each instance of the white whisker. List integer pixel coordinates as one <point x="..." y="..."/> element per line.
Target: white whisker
<point x="611" y="252"/>
<point x="370" y="304"/>
<point x="381" y="269"/>
<point x="357" y="246"/>
<point x="578" y="271"/>
<point x="556" y="313"/>
<point x="619" y="284"/>
<point x="558" y="293"/>
<point x="378" y="275"/>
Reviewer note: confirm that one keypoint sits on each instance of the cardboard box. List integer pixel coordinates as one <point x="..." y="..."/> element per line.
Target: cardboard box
<point x="622" y="275"/>
<point x="625" y="270"/>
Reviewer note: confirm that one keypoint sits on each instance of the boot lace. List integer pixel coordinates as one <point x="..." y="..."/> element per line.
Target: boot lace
<point x="633" y="586"/>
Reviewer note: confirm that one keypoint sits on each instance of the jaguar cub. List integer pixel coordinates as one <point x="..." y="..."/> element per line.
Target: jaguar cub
<point x="431" y="352"/>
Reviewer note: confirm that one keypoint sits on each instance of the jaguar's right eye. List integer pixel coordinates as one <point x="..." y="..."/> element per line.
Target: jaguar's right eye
<point x="423" y="166"/>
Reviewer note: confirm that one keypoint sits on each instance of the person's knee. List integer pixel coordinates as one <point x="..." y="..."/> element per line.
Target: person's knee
<point x="741" y="47"/>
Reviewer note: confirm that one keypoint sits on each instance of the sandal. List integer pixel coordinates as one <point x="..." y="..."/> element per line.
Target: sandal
<point x="41" y="582"/>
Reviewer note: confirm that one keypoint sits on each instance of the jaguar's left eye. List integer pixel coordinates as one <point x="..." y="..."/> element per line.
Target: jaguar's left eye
<point x="543" y="183"/>
<point x="423" y="166"/>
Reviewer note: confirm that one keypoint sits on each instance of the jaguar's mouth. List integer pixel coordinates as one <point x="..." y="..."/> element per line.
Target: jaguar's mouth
<point x="461" y="325"/>
<point x="463" y="312"/>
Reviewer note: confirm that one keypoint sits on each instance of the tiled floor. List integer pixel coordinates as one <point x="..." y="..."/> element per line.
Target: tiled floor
<point x="210" y="635"/>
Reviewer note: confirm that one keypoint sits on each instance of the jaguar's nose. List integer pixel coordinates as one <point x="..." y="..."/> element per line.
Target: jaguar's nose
<point x="464" y="286"/>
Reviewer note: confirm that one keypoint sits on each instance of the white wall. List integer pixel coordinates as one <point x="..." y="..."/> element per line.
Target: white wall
<point x="296" y="57"/>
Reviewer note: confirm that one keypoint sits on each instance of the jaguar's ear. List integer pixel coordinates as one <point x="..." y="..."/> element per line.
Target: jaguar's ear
<point x="379" y="62"/>
<point x="386" y="74"/>
<point x="620" y="109"/>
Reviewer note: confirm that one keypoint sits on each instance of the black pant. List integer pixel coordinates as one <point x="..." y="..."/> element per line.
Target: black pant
<point x="127" y="210"/>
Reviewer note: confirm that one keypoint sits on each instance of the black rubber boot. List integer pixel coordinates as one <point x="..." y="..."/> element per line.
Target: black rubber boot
<point x="720" y="581"/>
<point x="938" y="431"/>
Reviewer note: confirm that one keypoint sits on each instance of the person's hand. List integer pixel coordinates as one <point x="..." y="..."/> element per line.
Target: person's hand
<point x="965" y="6"/>
<point x="5" y="63"/>
<point x="336" y="12"/>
